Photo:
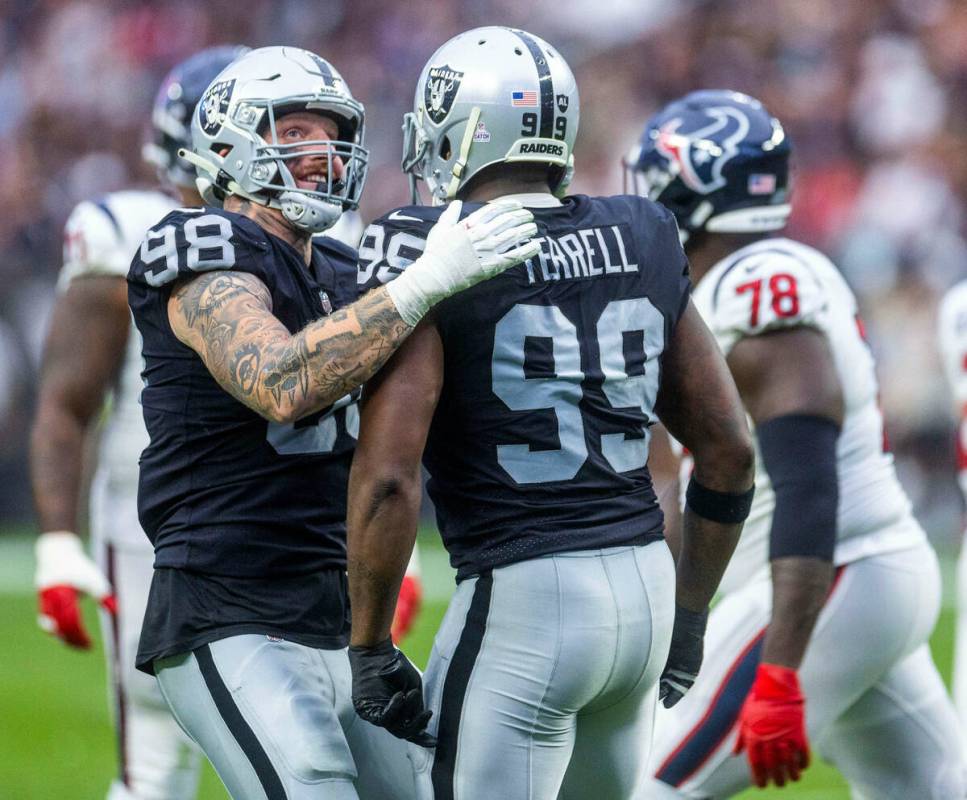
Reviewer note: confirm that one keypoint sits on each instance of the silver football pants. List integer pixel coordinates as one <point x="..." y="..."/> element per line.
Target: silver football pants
<point x="543" y="676"/>
<point x="276" y="720"/>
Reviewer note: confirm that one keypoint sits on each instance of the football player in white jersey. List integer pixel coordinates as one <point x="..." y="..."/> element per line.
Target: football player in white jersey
<point x="821" y="631"/>
<point x="157" y="760"/>
<point x="953" y="348"/>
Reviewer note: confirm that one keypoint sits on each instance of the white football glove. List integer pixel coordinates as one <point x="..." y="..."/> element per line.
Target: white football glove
<point x="63" y="570"/>
<point x="461" y="253"/>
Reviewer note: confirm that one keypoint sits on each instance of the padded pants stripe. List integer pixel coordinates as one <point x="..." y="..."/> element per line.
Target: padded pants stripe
<point x="119" y="698"/>
<point x="455" y="688"/>
<point x="244" y="735"/>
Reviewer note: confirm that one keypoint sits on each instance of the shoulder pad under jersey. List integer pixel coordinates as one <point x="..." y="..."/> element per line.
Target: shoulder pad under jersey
<point x="190" y="241"/>
<point x="763" y="290"/>
<point x="393" y="242"/>
<point x="102" y="235"/>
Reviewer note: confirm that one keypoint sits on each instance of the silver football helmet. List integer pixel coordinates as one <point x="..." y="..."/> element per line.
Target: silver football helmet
<point x="234" y="142"/>
<point x="489" y="96"/>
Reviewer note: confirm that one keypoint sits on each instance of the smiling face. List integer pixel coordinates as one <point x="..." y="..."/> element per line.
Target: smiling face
<point x="306" y="126"/>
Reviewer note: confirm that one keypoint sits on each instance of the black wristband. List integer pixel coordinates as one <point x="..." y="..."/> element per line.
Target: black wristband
<point x="724" y="507"/>
<point x="690" y="622"/>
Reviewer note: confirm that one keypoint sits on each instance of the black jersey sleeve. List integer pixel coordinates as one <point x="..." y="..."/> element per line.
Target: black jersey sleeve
<point x="393" y="242"/>
<point x="191" y="241"/>
<point x="656" y="232"/>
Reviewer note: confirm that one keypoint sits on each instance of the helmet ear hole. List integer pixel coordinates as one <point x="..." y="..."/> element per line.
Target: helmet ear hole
<point x="445" y="149"/>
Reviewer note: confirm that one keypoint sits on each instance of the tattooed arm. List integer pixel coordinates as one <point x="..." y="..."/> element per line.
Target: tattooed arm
<point x="226" y="317"/>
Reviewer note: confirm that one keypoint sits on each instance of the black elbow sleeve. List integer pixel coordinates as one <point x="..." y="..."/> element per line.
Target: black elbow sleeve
<point x="799" y="454"/>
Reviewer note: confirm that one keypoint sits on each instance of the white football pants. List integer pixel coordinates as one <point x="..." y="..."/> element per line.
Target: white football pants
<point x="876" y="706"/>
<point x="156" y="761"/>
<point x="543" y="676"/>
<point x="960" y="642"/>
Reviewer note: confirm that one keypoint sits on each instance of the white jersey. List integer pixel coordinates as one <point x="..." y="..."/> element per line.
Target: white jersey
<point x="952" y="335"/>
<point x="100" y="238"/>
<point x="779" y="283"/>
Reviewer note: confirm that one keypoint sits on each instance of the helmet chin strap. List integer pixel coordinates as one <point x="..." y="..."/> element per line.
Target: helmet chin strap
<point x="561" y="189"/>
<point x="464" y="153"/>
<point x="204" y="184"/>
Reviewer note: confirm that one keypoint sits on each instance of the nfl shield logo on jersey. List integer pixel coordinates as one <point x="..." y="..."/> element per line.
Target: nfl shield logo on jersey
<point x="442" y="86"/>
<point x="214" y="106"/>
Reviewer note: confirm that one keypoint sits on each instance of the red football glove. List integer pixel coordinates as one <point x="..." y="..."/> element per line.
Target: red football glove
<point x="407" y="607"/>
<point x="63" y="570"/>
<point x="772" y="727"/>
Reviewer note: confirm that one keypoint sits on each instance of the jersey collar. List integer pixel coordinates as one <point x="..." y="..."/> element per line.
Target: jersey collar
<point x="534" y="199"/>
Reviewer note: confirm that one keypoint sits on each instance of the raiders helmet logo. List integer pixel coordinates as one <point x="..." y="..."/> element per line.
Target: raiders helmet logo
<point x="562" y="101"/>
<point x="442" y="85"/>
<point x="699" y="158"/>
<point x="214" y="106"/>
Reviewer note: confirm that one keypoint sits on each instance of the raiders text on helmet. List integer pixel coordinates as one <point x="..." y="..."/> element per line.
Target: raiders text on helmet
<point x="234" y="135"/>
<point x="717" y="160"/>
<point x="490" y="96"/>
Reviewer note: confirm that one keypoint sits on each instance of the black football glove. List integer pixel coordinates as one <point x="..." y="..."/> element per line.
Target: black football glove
<point x="388" y="691"/>
<point x="684" y="656"/>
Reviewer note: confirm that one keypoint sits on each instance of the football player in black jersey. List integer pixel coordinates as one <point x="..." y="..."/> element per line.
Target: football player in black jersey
<point x="254" y="346"/>
<point x="155" y="758"/>
<point x="529" y="399"/>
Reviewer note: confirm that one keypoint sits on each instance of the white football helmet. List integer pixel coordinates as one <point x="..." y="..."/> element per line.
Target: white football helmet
<point x="233" y="134"/>
<point x="489" y="96"/>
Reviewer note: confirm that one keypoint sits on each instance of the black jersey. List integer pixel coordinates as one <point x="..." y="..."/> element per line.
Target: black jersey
<point x="222" y="491"/>
<point x="540" y="440"/>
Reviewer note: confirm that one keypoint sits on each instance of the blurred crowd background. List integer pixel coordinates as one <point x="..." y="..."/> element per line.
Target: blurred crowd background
<point x="872" y="92"/>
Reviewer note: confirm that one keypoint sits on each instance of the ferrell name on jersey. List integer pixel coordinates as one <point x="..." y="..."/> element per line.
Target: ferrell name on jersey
<point x="552" y="370"/>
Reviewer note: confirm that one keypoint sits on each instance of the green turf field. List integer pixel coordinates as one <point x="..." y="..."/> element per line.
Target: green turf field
<point x="54" y="726"/>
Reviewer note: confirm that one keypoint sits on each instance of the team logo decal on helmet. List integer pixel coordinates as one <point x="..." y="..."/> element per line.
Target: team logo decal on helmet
<point x="562" y="101"/>
<point x="718" y="160"/>
<point x="701" y="155"/>
<point x="441" y="90"/>
<point x="214" y="106"/>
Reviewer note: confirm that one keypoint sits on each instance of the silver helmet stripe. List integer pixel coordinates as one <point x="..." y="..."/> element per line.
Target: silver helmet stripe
<point x="544" y="81"/>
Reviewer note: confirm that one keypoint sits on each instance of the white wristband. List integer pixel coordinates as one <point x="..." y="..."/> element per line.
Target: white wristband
<point x="410" y="303"/>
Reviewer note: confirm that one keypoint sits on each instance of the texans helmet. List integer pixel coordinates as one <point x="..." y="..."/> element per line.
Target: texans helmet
<point x="718" y="160"/>
<point x="174" y="104"/>
<point x="490" y="96"/>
